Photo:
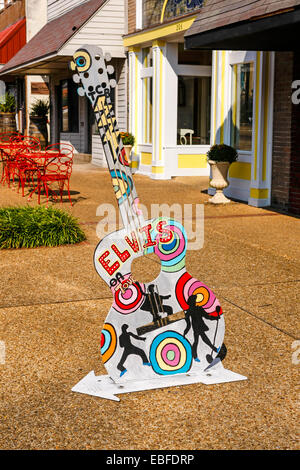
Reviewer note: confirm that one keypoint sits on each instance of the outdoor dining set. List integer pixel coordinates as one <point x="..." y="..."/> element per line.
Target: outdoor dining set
<point x="26" y="165"/>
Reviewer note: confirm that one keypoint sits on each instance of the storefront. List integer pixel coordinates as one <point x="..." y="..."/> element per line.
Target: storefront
<point x="253" y="106"/>
<point x="12" y="39"/>
<point x="242" y="116"/>
<point x="169" y="91"/>
<point x="48" y="53"/>
<point x="202" y="73"/>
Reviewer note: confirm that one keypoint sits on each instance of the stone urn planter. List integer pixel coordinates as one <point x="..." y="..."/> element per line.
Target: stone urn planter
<point x="219" y="171"/>
<point x="128" y="142"/>
<point x="7" y="114"/>
<point x="128" y="149"/>
<point x="8" y="123"/>
<point x="220" y="158"/>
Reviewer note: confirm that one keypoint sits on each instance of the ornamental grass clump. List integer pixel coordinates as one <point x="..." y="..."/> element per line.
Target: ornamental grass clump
<point x="29" y="227"/>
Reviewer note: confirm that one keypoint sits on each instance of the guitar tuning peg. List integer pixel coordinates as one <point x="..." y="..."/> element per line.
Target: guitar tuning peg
<point x="107" y="56"/>
<point x="80" y="91"/>
<point x="76" y="78"/>
<point x="112" y="83"/>
<point x="110" y="69"/>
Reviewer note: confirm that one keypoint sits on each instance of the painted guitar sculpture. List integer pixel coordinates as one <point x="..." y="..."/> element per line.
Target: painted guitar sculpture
<point x="173" y="325"/>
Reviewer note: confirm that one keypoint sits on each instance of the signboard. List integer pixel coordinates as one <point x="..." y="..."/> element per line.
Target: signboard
<point x="158" y="11"/>
<point x="39" y="88"/>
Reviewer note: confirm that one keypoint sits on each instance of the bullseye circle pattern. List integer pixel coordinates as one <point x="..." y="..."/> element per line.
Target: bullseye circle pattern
<point x="108" y="342"/>
<point x="187" y="286"/>
<point x="170" y="353"/>
<point x="172" y="254"/>
<point x="129" y="300"/>
<point x="83" y="60"/>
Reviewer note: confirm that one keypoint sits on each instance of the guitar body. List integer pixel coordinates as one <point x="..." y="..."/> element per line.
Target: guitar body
<point x="173" y="325"/>
<point x="135" y="342"/>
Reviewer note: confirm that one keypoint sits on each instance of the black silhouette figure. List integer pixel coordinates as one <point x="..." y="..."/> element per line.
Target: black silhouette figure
<point x="154" y="303"/>
<point x="194" y="317"/>
<point x="129" y="348"/>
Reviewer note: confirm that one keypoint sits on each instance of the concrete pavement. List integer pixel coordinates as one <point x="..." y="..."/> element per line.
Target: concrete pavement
<point x="53" y="305"/>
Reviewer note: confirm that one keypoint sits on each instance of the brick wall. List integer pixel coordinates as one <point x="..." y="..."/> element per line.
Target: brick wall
<point x="294" y="200"/>
<point x="286" y="135"/>
<point x="282" y="125"/>
<point x="131" y="16"/>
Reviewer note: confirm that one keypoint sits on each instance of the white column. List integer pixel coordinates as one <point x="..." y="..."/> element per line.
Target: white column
<point x="260" y="189"/>
<point x="159" y="118"/>
<point x="135" y="122"/>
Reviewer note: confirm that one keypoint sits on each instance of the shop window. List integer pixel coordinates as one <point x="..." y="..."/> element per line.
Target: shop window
<point x="193" y="117"/>
<point x="158" y="11"/>
<point x="147" y="110"/>
<point x="147" y="57"/>
<point x="69" y="106"/>
<point x="190" y="57"/>
<point x="242" y="106"/>
<point x="147" y="63"/>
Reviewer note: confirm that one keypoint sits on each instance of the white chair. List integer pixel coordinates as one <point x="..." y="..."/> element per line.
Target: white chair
<point x="183" y="133"/>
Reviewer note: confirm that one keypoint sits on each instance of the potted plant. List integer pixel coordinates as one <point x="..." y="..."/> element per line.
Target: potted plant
<point x="128" y="142"/>
<point x="38" y="121"/>
<point x="7" y="113"/>
<point x="220" y="158"/>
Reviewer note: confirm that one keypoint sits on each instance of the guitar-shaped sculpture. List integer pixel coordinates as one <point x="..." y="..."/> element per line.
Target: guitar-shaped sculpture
<point x="173" y="325"/>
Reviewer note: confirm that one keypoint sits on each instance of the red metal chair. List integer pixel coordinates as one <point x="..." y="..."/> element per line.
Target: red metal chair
<point x="55" y="167"/>
<point x="28" y="165"/>
<point x="5" y="142"/>
<point x="15" y="159"/>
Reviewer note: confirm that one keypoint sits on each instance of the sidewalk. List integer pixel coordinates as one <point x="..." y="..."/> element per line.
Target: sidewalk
<point x="53" y="305"/>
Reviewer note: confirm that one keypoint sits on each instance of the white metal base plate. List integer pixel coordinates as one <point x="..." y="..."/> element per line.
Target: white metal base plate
<point x="104" y="387"/>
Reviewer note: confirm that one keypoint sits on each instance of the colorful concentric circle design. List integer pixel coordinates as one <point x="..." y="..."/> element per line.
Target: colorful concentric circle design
<point x="108" y="342"/>
<point x="172" y="253"/>
<point x="187" y="286"/>
<point x="170" y="353"/>
<point x="130" y="300"/>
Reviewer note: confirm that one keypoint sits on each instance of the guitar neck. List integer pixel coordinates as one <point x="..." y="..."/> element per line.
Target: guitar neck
<point x="90" y="64"/>
<point x="121" y="176"/>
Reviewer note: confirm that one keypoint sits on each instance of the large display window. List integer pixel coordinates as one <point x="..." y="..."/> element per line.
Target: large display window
<point x="242" y="106"/>
<point x="194" y="104"/>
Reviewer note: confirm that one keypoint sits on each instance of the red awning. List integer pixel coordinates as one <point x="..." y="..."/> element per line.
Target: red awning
<point x="12" y="39"/>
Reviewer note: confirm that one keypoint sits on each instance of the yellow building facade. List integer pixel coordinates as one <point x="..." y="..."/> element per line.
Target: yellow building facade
<point x="181" y="102"/>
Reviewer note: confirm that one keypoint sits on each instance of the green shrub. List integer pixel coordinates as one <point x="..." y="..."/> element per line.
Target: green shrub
<point x="222" y="153"/>
<point x="9" y="104"/>
<point x="29" y="227"/>
<point x="127" y="138"/>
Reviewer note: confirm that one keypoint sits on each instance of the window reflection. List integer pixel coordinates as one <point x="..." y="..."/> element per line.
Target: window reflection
<point x="64" y="105"/>
<point x="242" y="106"/>
<point x="193" y="122"/>
<point x="147" y="110"/>
<point x="147" y="61"/>
<point x="147" y="57"/>
<point x="68" y="107"/>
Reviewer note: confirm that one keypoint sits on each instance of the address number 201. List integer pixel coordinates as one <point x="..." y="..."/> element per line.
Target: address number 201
<point x="179" y="27"/>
